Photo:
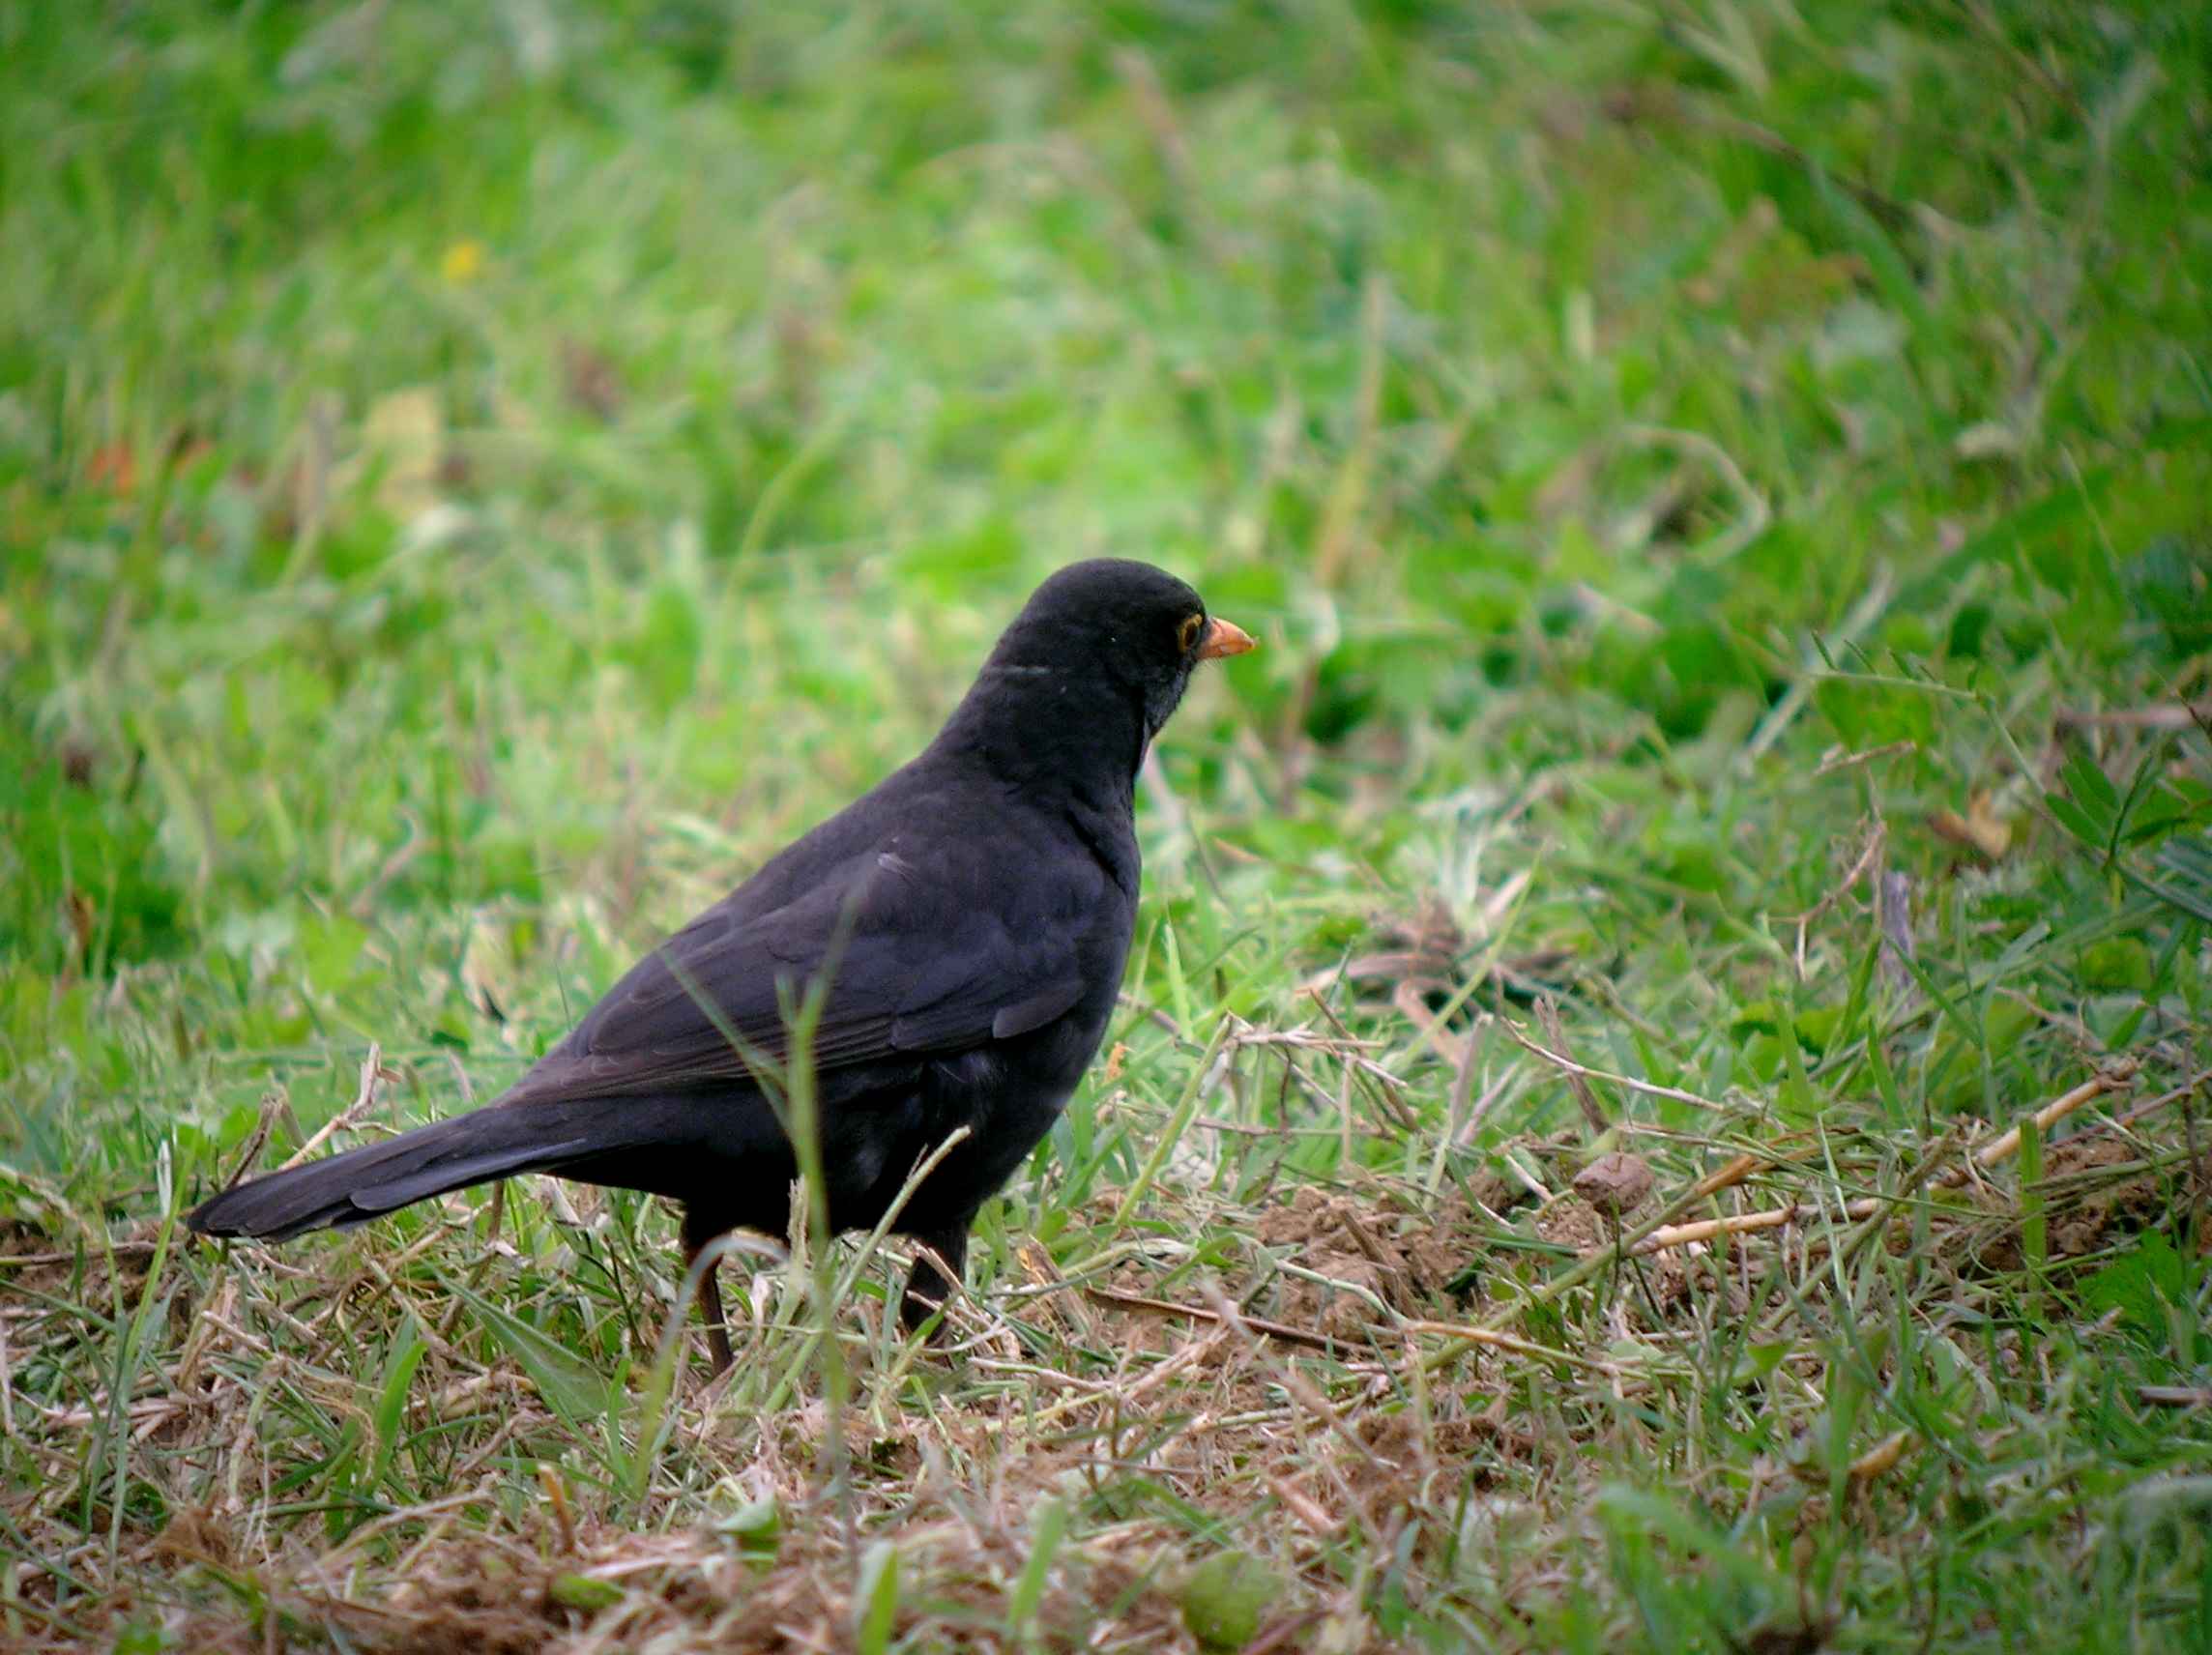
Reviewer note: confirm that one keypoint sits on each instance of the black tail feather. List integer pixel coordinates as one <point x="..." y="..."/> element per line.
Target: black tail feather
<point x="354" y="1187"/>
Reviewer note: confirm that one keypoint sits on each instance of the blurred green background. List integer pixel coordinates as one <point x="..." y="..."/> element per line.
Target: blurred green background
<point x="452" y="453"/>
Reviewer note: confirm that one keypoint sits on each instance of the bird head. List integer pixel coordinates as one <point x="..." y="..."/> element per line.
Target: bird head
<point x="1097" y="661"/>
<point x="1126" y="627"/>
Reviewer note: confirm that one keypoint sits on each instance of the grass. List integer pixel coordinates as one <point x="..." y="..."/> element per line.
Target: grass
<point x="1720" y="487"/>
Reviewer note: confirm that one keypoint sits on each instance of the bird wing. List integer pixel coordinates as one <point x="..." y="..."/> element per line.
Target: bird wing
<point x="915" y="964"/>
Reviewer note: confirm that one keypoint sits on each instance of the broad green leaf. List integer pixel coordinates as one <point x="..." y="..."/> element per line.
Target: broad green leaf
<point x="575" y="1390"/>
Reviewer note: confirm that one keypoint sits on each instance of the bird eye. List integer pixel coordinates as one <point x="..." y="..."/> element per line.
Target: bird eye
<point x="1186" y="635"/>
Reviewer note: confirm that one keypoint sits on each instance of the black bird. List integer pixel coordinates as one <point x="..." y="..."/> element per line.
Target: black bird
<point x="972" y="915"/>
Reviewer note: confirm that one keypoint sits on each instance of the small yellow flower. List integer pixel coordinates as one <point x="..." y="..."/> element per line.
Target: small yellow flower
<point x="463" y="263"/>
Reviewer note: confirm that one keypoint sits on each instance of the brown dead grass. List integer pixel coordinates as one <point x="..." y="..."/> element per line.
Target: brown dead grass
<point x="1280" y="1404"/>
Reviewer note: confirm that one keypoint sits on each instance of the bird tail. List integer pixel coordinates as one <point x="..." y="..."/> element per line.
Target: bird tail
<point x="486" y="1144"/>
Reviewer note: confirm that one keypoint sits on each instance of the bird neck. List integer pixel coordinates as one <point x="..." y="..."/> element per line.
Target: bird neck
<point x="1053" y="735"/>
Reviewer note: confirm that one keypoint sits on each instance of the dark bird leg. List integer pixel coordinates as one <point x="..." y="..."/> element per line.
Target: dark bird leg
<point x="927" y="1290"/>
<point x="709" y="1293"/>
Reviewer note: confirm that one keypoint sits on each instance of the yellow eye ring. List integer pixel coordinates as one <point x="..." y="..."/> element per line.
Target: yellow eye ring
<point x="1186" y="635"/>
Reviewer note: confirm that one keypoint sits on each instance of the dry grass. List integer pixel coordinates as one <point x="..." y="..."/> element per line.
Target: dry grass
<point x="1305" y="1383"/>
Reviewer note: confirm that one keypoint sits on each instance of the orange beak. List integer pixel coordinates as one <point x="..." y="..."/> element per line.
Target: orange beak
<point x="1225" y="638"/>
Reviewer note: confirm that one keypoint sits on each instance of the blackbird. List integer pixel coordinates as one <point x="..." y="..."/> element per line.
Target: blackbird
<point x="965" y="925"/>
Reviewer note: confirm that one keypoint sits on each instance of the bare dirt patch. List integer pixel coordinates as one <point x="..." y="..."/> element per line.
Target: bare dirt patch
<point x="2098" y="1189"/>
<point x="1366" y="1257"/>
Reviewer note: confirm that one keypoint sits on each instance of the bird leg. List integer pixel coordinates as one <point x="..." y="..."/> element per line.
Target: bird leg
<point x="710" y="1300"/>
<point x="928" y="1289"/>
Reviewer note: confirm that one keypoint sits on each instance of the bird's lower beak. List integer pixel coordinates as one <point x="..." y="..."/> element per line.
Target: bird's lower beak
<point x="1225" y="638"/>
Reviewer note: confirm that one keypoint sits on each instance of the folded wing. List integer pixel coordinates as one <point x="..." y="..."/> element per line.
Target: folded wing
<point x="911" y="968"/>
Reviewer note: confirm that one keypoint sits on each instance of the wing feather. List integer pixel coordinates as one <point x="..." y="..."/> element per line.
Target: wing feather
<point x="911" y="969"/>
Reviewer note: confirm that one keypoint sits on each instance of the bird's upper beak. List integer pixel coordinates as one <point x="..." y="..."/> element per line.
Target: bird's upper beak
<point x="1225" y="638"/>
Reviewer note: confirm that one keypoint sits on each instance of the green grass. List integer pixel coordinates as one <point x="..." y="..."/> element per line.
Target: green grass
<point x="474" y="480"/>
